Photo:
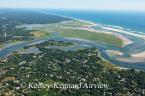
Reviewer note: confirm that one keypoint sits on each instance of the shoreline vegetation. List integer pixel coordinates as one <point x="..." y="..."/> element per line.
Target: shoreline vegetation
<point x="67" y="52"/>
<point x="83" y="29"/>
<point x="126" y="41"/>
<point x="76" y="28"/>
<point x="54" y="65"/>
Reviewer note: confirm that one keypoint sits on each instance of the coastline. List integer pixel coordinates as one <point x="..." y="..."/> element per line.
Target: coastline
<point x="116" y="33"/>
<point x="125" y="32"/>
<point x="125" y="40"/>
<point x="134" y="57"/>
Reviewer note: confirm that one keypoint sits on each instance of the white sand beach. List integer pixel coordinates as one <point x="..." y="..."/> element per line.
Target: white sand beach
<point x="114" y="53"/>
<point x="139" y="55"/>
<point x="122" y="31"/>
<point x="130" y="59"/>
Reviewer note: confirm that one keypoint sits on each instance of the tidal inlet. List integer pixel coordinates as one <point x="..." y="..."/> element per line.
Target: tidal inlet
<point x="72" y="48"/>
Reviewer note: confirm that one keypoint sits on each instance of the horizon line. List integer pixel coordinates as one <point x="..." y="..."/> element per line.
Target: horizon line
<point x="71" y="9"/>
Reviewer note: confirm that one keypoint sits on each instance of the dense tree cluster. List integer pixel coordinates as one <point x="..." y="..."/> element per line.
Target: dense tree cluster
<point x="54" y="65"/>
<point x="9" y="19"/>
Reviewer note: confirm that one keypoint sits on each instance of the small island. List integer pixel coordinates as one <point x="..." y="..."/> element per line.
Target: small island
<point x="49" y="55"/>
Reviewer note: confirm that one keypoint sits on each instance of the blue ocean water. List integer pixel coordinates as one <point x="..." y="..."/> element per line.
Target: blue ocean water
<point x="130" y="20"/>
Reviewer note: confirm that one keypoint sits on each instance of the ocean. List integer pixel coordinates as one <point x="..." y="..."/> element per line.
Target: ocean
<point x="134" y="21"/>
<point x="126" y="21"/>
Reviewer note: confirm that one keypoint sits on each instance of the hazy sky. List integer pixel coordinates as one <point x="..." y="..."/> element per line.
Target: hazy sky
<point x="76" y="4"/>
